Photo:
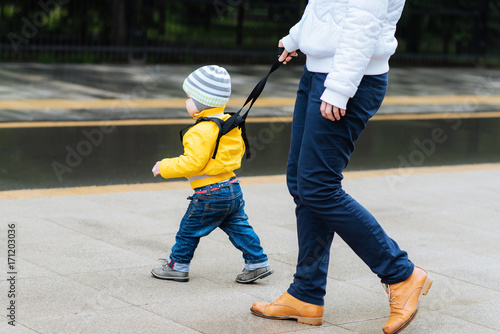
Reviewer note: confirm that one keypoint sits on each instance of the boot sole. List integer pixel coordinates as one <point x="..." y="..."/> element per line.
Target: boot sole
<point x="176" y="279"/>
<point x="263" y="275"/>
<point x="317" y="321"/>
<point x="425" y="289"/>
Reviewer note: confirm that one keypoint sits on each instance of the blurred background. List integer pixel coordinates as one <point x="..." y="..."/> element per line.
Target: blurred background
<point x="439" y="32"/>
<point x="90" y="91"/>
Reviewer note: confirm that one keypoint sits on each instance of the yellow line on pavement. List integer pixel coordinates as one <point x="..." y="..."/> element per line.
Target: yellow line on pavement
<point x="444" y="116"/>
<point x="281" y="119"/>
<point x="121" y="188"/>
<point x="128" y="103"/>
<point x="449" y="99"/>
<point x="234" y="102"/>
<point x="126" y="122"/>
<point x="404" y="172"/>
<point x="91" y="104"/>
<point x="248" y="180"/>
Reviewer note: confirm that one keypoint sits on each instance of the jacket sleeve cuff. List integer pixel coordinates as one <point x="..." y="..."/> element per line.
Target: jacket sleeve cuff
<point x="289" y="44"/>
<point x="335" y="99"/>
<point x="163" y="168"/>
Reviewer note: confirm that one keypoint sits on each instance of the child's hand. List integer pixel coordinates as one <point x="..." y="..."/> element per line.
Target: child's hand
<point x="156" y="169"/>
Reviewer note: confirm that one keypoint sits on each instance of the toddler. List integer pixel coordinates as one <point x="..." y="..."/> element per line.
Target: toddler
<point x="217" y="200"/>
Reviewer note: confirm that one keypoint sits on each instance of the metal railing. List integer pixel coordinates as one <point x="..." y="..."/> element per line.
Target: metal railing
<point x="243" y="31"/>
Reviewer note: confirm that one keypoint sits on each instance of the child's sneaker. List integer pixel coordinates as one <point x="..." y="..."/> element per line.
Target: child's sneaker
<point x="248" y="276"/>
<point x="165" y="272"/>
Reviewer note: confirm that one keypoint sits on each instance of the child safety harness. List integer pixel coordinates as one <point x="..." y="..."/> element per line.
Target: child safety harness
<point x="238" y="118"/>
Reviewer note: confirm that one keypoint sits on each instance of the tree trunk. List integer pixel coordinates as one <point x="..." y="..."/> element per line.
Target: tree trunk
<point x="118" y="22"/>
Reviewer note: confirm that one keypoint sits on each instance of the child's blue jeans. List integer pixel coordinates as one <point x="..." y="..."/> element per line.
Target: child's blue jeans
<point x="217" y="205"/>
<point x="320" y="150"/>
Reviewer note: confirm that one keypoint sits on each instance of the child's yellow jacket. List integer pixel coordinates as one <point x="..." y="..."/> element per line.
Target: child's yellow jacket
<point x="196" y="163"/>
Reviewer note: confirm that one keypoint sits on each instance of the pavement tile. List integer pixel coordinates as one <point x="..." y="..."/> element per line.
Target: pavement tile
<point x="481" y="271"/>
<point x="17" y="329"/>
<point x="470" y="217"/>
<point x="436" y="233"/>
<point x="425" y="322"/>
<point x="324" y="329"/>
<point x="31" y="270"/>
<point x="212" y="311"/>
<point x="132" y="232"/>
<point x="119" y="321"/>
<point x="136" y="286"/>
<point x="65" y="251"/>
<point x="448" y="292"/>
<point x="42" y="207"/>
<point x="42" y="298"/>
<point x="483" y="314"/>
<point x="345" y="303"/>
<point x="166" y="205"/>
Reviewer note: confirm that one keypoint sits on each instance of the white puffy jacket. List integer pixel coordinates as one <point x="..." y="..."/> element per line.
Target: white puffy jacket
<point x="346" y="39"/>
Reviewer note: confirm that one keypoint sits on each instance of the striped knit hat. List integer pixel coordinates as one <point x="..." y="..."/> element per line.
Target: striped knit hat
<point x="209" y="87"/>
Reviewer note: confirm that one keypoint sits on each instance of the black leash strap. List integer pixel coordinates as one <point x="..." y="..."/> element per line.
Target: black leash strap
<point x="257" y="90"/>
<point x="238" y="119"/>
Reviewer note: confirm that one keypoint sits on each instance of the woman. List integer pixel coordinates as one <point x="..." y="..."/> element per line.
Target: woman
<point x="347" y="44"/>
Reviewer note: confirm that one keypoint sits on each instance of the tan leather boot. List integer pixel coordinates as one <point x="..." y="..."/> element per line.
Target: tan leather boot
<point x="289" y="307"/>
<point x="404" y="298"/>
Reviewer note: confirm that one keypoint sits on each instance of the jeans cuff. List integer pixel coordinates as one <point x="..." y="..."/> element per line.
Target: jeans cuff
<point x="182" y="267"/>
<point x="253" y="266"/>
<point x="402" y="277"/>
<point x="306" y="299"/>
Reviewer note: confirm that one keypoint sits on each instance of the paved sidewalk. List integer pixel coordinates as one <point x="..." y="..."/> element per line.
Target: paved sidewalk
<point x="83" y="261"/>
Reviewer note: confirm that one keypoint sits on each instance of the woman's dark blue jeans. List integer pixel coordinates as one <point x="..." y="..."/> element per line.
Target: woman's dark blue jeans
<point x="319" y="151"/>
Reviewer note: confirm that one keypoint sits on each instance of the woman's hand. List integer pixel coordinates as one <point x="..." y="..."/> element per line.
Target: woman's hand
<point x="286" y="56"/>
<point x="331" y="112"/>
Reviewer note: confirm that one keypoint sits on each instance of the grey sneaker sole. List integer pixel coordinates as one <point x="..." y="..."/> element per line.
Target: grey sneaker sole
<point x="176" y="279"/>
<point x="263" y="275"/>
